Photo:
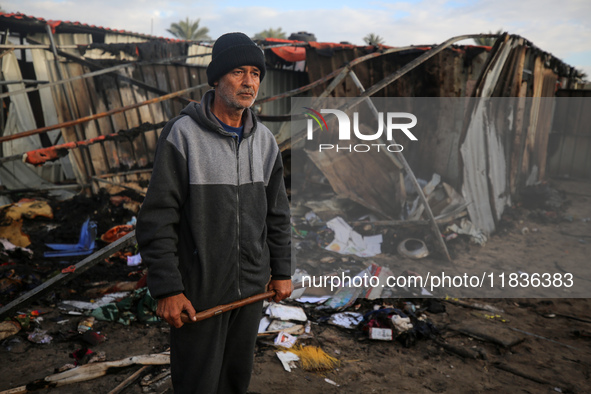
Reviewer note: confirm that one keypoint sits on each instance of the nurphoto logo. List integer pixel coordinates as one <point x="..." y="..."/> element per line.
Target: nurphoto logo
<point x="390" y="121"/>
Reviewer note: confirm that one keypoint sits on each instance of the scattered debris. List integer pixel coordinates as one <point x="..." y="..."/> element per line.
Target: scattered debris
<point x="413" y="248"/>
<point x="466" y="227"/>
<point x="348" y="320"/>
<point x="288" y="360"/>
<point x="284" y="312"/>
<point x="11" y="219"/>
<point x="348" y="241"/>
<point x="284" y="339"/>
<point x="381" y="334"/>
<point x="93" y="371"/>
<point x="9" y="328"/>
<point x="39" y="336"/>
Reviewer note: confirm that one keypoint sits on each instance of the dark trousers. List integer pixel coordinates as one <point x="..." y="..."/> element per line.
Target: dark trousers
<point x="215" y="355"/>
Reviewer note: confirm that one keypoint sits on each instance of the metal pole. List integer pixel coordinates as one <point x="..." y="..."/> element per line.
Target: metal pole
<point x="410" y="173"/>
<point x="63" y="81"/>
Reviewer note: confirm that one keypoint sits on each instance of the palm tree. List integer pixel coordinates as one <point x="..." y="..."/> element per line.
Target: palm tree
<point x="189" y="30"/>
<point x="488" y="41"/>
<point x="580" y="74"/>
<point x="373" y="39"/>
<point x="269" y="33"/>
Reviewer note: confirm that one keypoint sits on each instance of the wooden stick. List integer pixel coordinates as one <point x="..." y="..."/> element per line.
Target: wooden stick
<point x="216" y="310"/>
<point x="130" y="379"/>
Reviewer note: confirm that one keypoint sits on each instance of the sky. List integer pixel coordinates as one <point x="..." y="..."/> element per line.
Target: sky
<point x="562" y="28"/>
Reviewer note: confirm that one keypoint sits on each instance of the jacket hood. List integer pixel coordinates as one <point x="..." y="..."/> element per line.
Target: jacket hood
<point x="201" y="113"/>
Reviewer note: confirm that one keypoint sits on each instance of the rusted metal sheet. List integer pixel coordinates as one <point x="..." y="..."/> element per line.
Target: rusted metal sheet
<point x="447" y="74"/>
<point x="364" y="181"/>
<point x="18" y="175"/>
<point x="493" y="156"/>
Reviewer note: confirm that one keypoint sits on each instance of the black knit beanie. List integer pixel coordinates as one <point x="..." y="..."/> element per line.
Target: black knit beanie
<point x="233" y="50"/>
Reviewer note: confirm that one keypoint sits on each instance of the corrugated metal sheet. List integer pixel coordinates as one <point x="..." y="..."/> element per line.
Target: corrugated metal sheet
<point x="451" y="73"/>
<point x="87" y="96"/>
<point x="502" y="155"/>
<point x="569" y="153"/>
<point x="485" y="157"/>
<point x="484" y="172"/>
<point x="15" y="174"/>
<point x="276" y="82"/>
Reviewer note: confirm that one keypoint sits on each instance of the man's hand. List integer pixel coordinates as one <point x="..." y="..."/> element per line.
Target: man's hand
<point x="170" y="309"/>
<point x="283" y="289"/>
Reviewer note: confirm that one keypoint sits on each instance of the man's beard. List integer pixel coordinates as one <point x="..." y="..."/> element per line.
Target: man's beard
<point x="233" y="102"/>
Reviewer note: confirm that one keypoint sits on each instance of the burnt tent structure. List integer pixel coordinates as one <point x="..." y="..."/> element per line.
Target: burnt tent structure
<point x="83" y="107"/>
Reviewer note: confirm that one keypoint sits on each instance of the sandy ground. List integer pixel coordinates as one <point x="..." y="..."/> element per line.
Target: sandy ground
<point x="534" y="345"/>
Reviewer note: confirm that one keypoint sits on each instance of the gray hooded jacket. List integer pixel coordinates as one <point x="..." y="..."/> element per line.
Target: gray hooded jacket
<point x="215" y="221"/>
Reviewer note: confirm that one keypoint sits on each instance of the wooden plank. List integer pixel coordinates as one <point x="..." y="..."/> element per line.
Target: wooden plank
<point x="83" y="107"/>
<point x="113" y="100"/>
<point x="162" y="84"/>
<point x="175" y="85"/>
<point x="195" y="79"/>
<point x="140" y="154"/>
<point x="69" y="134"/>
<point x="184" y="81"/>
<point x="157" y="110"/>
<point x="61" y="278"/>
<point x="202" y="79"/>
<point x="46" y="94"/>
<point x="148" y="138"/>
<point x="130" y="379"/>
<point x="104" y="125"/>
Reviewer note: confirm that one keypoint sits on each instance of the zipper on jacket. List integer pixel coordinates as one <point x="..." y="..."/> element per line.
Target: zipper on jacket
<point x="237" y="145"/>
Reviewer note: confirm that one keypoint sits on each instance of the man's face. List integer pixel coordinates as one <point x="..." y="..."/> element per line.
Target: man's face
<point x="239" y="88"/>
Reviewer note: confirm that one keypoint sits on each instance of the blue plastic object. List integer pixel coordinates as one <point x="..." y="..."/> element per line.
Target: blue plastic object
<point x="85" y="245"/>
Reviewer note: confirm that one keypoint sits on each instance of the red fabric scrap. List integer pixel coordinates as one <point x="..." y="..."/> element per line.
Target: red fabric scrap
<point x="116" y="232"/>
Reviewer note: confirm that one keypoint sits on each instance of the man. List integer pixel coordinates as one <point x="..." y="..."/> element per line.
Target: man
<point x="214" y="226"/>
